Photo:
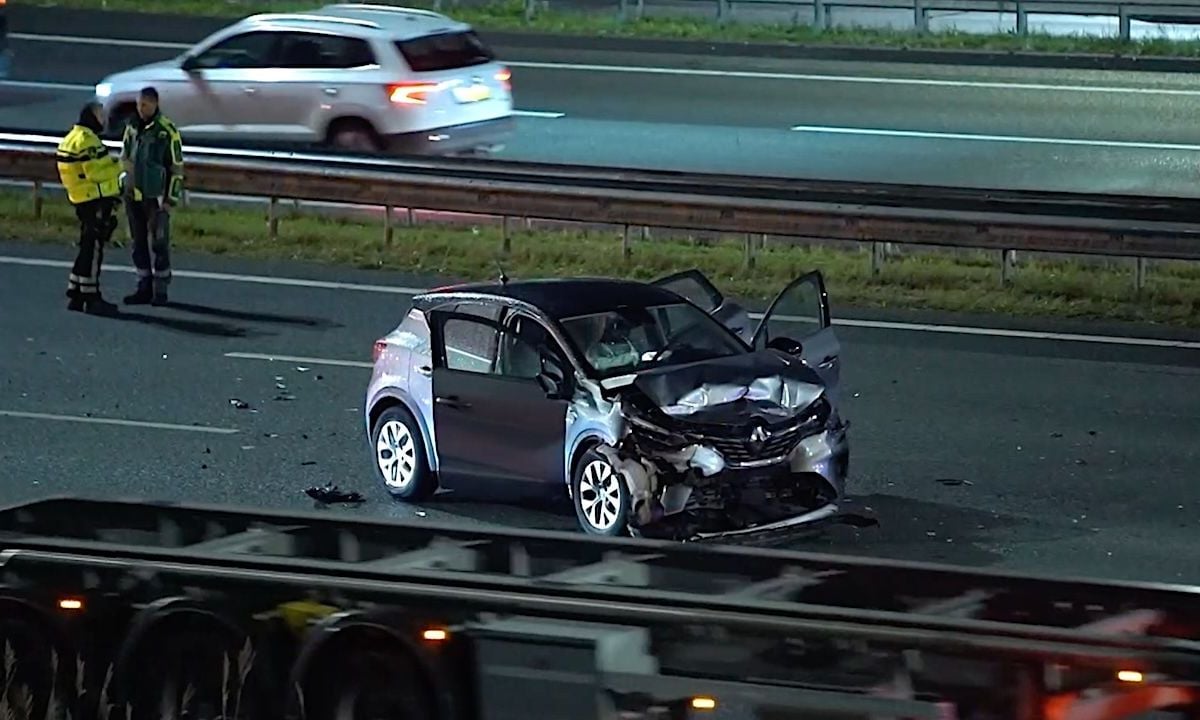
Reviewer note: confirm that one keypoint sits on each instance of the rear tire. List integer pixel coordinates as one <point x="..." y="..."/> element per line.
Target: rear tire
<point x="354" y="136"/>
<point x="400" y="459"/>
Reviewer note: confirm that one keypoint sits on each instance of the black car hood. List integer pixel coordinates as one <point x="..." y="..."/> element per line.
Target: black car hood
<point x="767" y="383"/>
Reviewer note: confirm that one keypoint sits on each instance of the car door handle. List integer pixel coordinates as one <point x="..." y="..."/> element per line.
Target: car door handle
<point x="425" y="370"/>
<point x="452" y="401"/>
<point x="249" y="90"/>
<point x="331" y="91"/>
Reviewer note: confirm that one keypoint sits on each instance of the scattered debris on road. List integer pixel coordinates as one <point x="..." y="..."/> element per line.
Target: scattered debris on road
<point x="331" y="493"/>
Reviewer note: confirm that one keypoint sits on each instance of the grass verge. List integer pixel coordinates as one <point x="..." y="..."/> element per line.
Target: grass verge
<point x="509" y="15"/>
<point x="957" y="282"/>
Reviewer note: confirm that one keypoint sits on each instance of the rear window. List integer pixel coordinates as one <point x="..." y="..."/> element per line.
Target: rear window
<point x="447" y="51"/>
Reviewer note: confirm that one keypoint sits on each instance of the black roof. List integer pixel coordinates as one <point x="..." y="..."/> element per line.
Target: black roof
<point x="569" y="297"/>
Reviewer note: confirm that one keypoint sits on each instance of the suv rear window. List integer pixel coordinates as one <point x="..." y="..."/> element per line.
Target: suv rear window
<point x="446" y="51"/>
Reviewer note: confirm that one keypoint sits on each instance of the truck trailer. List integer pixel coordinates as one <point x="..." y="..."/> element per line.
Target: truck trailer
<point x="139" y="610"/>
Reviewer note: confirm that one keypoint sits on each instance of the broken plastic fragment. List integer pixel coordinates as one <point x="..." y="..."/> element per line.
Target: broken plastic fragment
<point x="239" y="404"/>
<point x="331" y="493"/>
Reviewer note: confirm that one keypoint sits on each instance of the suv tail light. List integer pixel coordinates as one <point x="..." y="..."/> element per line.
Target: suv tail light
<point x="378" y="350"/>
<point x="505" y="78"/>
<point x="411" y="93"/>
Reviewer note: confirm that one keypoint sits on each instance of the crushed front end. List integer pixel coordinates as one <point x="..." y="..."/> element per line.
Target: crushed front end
<point x="730" y="452"/>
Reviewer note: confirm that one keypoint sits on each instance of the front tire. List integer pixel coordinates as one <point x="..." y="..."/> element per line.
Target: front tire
<point x="600" y="496"/>
<point x="400" y="460"/>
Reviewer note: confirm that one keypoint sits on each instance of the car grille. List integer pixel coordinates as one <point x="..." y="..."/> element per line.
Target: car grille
<point x="738" y="447"/>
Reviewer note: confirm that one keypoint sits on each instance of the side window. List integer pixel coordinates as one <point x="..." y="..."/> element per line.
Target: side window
<point x="470" y="344"/>
<point x="796" y="314"/>
<point x="694" y="287"/>
<point x="318" y="51"/>
<point x="248" y="50"/>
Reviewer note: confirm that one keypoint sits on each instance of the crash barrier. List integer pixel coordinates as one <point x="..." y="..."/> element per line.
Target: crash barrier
<point x="146" y="605"/>
<point x="1003" y="220"/>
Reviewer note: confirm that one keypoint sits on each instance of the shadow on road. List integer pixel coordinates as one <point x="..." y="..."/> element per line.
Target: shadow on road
<point x="252" y="316"/>
<point x="192" y="327"/>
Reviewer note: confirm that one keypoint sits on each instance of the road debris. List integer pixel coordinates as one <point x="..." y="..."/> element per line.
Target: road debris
<point x="331" y="493"/>
<point x="239" y="404"/>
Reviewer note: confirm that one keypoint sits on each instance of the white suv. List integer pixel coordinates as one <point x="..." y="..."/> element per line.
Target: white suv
<point x="367" y="78"/>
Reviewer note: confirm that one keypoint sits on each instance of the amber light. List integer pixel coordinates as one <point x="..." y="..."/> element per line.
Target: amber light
<point x="68" y="603"/>
<point x="704" y="703"/>
<point x="505" y="78"/>
<point x="435" y="634"/>
<point x="1130" y="676"/>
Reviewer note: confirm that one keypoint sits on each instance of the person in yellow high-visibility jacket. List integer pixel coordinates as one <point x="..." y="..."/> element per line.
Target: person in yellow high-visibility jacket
<point x="91" y="177"/>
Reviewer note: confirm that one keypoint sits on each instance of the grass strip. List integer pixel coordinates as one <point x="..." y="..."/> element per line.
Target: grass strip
<point x="509" y="15"/>
<point x="957" y="282"/>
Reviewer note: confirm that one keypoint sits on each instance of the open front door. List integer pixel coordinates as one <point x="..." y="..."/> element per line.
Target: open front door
<point x="694" y="286"/>
<point x="801" y="313"/>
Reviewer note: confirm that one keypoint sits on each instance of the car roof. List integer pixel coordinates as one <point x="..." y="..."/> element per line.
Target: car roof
<point x="569" y="297"/>
<point x="363" y="19"/>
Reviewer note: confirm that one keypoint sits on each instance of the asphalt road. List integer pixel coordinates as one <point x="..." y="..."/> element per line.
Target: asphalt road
<point x="1048" y="129"/>
<point x="1029" y="454"/>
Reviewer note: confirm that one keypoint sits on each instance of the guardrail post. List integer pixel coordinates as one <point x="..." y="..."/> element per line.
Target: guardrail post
<point x="529" y="9"/>
<point x="506" y="239"/>
<point x="876" y="258"/>
<point x="820" y="15"/>
<point x="626" y="246"/>
<point x="1022" y="19"/>
<point x="387" y="225"/>
<point x="748" y="246"/>
<point x="723" y="9"/>
<point x="1124" y="25"/>
<point x="37" y="199"/>
<point x="1140" y="266"/>
<point x="920" y="17"/>
<point x="273" y="218"/>
<point x="1007" y="266"/>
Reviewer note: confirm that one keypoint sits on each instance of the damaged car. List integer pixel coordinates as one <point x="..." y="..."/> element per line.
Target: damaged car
<point x="655" y="407"/>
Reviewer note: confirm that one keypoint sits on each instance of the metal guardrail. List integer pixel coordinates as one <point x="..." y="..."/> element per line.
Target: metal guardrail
<point x="1111" y="225"/>
<point x="822" y="10"/>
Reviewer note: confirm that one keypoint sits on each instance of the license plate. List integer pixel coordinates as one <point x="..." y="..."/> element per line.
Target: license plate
<point x="473" y="93"/>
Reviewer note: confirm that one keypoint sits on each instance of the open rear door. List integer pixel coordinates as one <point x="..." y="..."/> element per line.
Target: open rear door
<point x="801" y="313"/>
<point x="693" y="285"/>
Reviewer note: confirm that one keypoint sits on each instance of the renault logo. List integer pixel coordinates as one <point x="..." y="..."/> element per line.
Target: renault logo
<point x="759" y="436"/>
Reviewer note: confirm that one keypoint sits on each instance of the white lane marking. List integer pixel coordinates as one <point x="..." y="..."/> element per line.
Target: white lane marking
<point x="80" y="40"/>
<point x="297" y="359"/>
<point x="75" y="87"/>
<point x="539" y="114"/>
<point x="867" y="324"/>
<point x="927" y="135"/>
<point x="117" y="421"/>
<point x="690" y="72"/>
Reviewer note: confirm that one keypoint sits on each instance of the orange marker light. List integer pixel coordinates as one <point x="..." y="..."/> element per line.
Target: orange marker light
<point x="1130" y="676"/>
<point x="435" y="635"/>
<point x="70" y="604"/>
<point x="703" y="703"/>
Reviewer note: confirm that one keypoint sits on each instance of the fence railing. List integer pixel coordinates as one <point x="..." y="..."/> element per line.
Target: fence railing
<point x="1004" y="221"/>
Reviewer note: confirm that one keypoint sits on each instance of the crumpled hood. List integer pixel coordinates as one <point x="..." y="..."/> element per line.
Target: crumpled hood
<point x="732" y="389"/>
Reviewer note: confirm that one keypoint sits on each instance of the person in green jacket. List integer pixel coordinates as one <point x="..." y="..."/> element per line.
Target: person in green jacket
<point x="152" y="155"/>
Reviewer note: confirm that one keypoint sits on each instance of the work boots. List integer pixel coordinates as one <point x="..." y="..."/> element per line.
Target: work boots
<point x="95" y="305"/>
<point x="145" y="295"/>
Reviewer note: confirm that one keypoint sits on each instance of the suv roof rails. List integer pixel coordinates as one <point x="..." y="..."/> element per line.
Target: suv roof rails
<point x="302" y="17"/>
<point x="386" y="8"/>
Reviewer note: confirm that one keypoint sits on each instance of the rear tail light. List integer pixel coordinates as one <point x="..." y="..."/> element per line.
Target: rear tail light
<point x="411" y="93"/>
<point x="505" y="78"/>
<point x="378" y="350"/>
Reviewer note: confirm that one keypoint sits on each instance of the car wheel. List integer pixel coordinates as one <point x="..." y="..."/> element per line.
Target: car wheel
<point x="354" y="137"/>
<point x="400" y="459"/>
<point x="600" y="496"/>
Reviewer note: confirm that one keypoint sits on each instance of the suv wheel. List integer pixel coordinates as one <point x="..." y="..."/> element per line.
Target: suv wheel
<point x="600" y="496"/>
<point x="355" y="137"/>
<point x="400" y="461"/>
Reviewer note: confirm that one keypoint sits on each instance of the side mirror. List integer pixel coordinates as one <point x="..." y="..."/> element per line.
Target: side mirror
<point x="787" y="345"/>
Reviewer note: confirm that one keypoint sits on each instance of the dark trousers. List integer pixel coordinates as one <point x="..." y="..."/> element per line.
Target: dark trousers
<point x="150" y="230"/>
<point x="96" y="225"/>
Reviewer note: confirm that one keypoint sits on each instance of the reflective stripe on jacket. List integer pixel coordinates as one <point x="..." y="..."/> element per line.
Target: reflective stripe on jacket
<point x="86" y="169"/>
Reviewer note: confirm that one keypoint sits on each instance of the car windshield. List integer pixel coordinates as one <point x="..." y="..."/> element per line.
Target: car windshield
<point x="631" y="339"/>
